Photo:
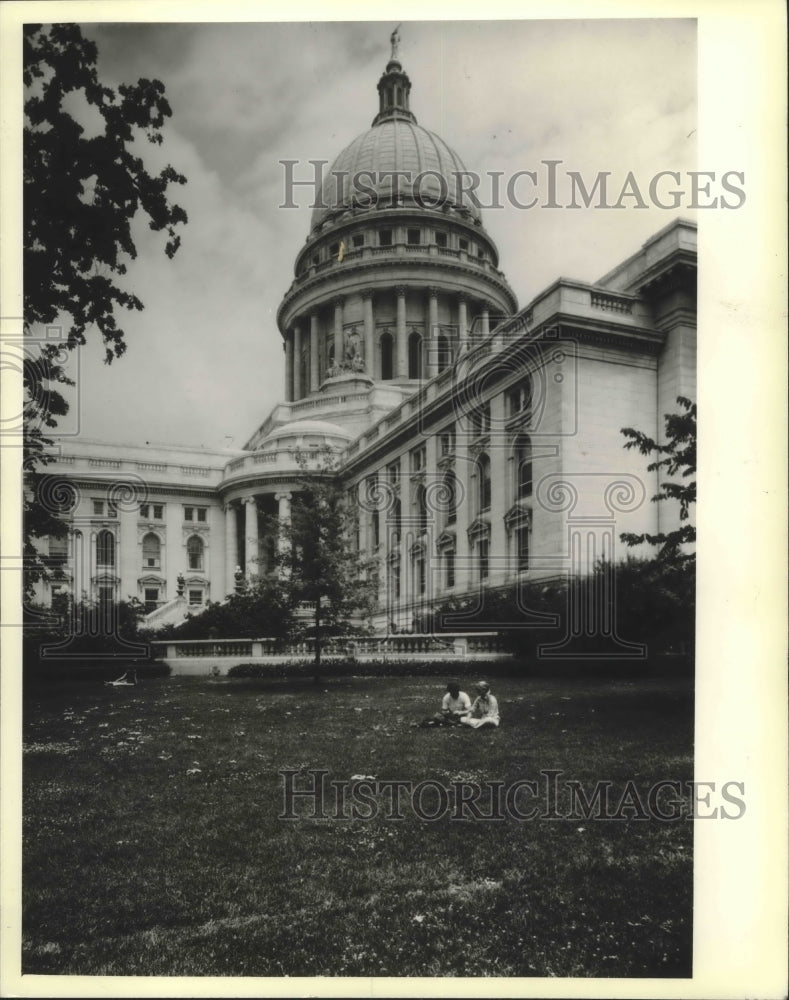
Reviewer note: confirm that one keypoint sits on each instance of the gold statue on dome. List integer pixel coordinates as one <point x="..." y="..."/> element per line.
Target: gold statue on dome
<point x="394" y="38"/>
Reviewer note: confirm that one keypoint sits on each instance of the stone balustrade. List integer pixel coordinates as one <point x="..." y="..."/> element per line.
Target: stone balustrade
<point x="216" y="656"/>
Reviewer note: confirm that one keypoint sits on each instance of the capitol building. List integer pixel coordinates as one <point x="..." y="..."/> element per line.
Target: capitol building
<point x="481" y="440"/>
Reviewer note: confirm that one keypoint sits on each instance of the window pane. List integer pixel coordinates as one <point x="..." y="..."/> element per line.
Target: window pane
<point x="105" y="549"/>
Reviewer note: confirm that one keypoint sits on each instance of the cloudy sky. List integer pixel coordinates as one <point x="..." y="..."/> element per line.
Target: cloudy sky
<point x="204" y="361"/>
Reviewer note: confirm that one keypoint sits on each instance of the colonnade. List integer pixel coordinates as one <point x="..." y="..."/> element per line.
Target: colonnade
<point x="251" y="549"/>
<point x="304" y="338"/>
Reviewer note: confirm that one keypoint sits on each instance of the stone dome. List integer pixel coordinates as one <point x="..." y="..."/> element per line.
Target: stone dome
<point x="395" y="143"/>
<point x="323" y="431"/>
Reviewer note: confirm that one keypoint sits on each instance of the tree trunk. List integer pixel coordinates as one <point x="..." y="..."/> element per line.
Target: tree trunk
<point x="317" y="640"/>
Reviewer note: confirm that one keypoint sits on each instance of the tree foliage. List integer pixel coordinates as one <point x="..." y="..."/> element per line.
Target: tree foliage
<point x="677" y="457"/>
<point x="84" y="185"/>
<point x="650" y="602"/>
<point x="261" y="609"/>
<point x="319" y="559"/>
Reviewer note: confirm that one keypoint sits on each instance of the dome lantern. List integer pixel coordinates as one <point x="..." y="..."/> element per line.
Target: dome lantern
<point x="394" y="88"/>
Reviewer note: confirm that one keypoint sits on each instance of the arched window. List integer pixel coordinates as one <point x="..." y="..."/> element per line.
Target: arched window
<point x="387" y="349"/>
<point x="105" y="549"/>
<point x="415" y="355"/>
<point x="523" y="467"/>
<point x="483" y="482"/>
<point x="451" y="493"/>
<point x="151" y="551"/>
<point x="194" y="552"/>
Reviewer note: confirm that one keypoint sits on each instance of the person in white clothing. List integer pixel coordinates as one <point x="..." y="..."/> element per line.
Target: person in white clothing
<point x="485" y="710"/>
<point x="455" y="706"/>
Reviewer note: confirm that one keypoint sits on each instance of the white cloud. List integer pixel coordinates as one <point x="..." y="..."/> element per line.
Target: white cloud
<point x="205" y="358"/>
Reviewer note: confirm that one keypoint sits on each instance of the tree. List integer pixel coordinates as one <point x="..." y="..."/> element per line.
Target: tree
<point x="319" y="560"/>
<point x="679" y="456"/>
<point x="83" y="188"/>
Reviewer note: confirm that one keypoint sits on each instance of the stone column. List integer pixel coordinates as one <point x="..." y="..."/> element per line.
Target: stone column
<point x="93" y="564"/>
<point x="252" y="563"/>
<point x="339" y="349"/>
<point x="401" y="368"/>
<point x="499" y="491"/>
<point x="314" y="354"/>
<point x="78" y="562"/>
<point x="298" y="388"/>
<point x="485" y="319"/>
<point x="283" y="517"/>
<point x="289" y="384"/>
<point x="231" y="547"/>
<point x="369" y="336"/>
<point x="462" y="323"/>
<point x="465" y="509"/>
<point x="430" y="346"/>
<point x="407" y="539"/>
<point x="435" y="518"/>
<point x="128" y="555"/>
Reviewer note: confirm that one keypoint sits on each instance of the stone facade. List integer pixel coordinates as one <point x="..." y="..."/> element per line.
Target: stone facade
<point x="482" y="443"/>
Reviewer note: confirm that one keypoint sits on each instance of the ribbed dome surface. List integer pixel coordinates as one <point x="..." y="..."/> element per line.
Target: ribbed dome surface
<point x="395" y="144"/>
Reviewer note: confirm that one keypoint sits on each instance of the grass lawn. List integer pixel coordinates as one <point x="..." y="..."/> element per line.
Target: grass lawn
<point x="152" y="843"/>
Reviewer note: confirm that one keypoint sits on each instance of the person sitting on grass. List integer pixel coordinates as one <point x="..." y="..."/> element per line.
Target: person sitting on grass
<point x="455" y="706"/>
<point x="485" y="710"/>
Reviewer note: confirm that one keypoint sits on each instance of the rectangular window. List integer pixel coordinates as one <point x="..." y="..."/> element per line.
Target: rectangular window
<point x="385" y="237"/>
<point x="58" y="550"/>
<point x="358" y="240"/>
<point x="393" y="473"/>
<point x="158" y="512"/>
<point x="316" y="259"/>
<point x="518" y="398"/>
<point x="414" y="236"/>
<point x="202" y="513"/>
<point x="463" y="244"/>
<point x="420" y="576"/>
<point x="98" y="508"/>
<point x="189" y="513"/>
<point x="151" y="599"/>
<point x="112" y="509"/>
<point x="145" y="511"/>
<point x="418" y="457"/>
<point x="334" y="249"/>
<point x="480" y="420"/>
<point x="376" y="526"/>
<point x="195" y="597"/>
<point x="447" y="441"/>
<point x="449" y="557"/>
<point x="483" y="548"/>
<point x="441" y="239"/>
